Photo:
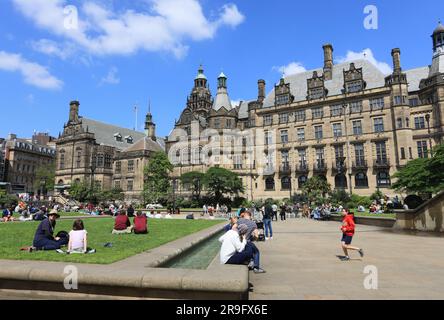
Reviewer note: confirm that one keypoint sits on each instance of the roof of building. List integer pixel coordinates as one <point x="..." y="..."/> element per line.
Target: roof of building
<point x="414" y="77"/>
<point x="439" y="28"/>
<point x="106" y="134"/>
<point x="144" y="144"/>
<point x="222" y="100"/>
<point x="243" y="109"/>
<point x="298" y="82"/>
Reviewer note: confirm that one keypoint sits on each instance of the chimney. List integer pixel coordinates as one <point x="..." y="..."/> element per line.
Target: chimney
<point x="74" y="112"/>
<point x="396" y="55"/>
<point x="328" y="61"/>
<point x="150" y="127"/>
<point x="261" y="90"/>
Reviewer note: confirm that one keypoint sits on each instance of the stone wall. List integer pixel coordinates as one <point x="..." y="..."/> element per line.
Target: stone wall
<point x="428" y="217"/>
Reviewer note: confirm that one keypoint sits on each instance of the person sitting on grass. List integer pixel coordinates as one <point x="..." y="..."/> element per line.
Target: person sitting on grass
<point x="78" y="240"/>
<point x="234" y="248"/>
<point x="7" y="215"/>
<point x="140" y="223"/>
<point x="44" y="236"/>
<point x="122" y="225"/>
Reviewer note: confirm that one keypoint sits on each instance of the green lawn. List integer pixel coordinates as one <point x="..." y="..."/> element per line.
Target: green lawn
<point x="367" y="214"/>
<point x="17" y="235"/>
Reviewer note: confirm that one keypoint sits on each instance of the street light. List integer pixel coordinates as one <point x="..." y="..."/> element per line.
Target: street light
<point x="429" y="131"/>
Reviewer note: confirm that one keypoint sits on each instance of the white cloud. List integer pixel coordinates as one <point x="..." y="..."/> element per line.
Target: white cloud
<point x="366" y="54"/>
<point x="291" y="68"/>
<point x="33" y="73"/>
<point x="52" y="48"/>
<point x="102" y="31"/>
<point x="235" y="103"/>
<point x="111" y="77"/>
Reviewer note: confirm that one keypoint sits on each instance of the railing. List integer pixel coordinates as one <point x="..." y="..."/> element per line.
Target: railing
<point x="302" y="168"/>
<point x="337" y="167"/>
<point x="361" y="164"/>
<point x="381" y="163"/>
<point x="285" y="168"/>
<point x="319" y="167"/>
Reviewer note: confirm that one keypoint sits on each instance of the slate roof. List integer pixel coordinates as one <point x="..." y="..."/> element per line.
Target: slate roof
<point x="105" y="134"/>
<point x="243" y="109"/>
<point x="414" y="77"/>
<point x="144" y="144"/>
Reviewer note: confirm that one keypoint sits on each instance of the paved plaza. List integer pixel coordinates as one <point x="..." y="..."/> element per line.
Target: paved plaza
<point x="301" y="263"/>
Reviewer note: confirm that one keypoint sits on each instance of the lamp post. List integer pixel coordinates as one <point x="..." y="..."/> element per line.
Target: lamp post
<point x="174" y="195"/>
<point x="429" y="131"/>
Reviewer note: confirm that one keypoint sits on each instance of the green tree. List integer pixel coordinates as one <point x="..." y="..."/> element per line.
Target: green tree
<point x="221" y="182"/>
<point x="316" y="188"/>
<point x="157" y="185"/>
<point x="114" y="194"/>
<point x="45" y="178"/>
<point x="195" y="179"/>
<point x="83" y="192"/>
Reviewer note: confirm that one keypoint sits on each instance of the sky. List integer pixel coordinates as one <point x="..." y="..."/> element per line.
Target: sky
<point x="113" y="55"/>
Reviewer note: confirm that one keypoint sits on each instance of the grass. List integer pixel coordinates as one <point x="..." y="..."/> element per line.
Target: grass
<point x="17" y="235"/>
<point x="367" y="214"/>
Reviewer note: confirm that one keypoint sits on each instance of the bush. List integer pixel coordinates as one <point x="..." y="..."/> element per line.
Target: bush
<point x="356" y="201"/>
<point x="339" y="197"/>
<point x="377" y="195"/>
<point x="8" y="200"/>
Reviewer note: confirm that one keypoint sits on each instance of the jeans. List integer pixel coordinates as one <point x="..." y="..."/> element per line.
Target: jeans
<point x="46" y="244"/>
<point x="256" y="255"/>
<point x="267" y="226"/>
<point x="241" y="257"/>
<point x="283" y="216"/>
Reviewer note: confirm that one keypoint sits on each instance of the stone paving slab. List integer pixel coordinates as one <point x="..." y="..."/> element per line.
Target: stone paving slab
<point x="301" y="263"/>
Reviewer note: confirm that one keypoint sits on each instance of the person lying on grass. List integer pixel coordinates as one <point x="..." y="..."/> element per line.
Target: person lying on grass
<point x="122" y="225"/>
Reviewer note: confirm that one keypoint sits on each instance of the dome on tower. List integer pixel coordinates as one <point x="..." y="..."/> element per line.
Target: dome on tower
<point x="200" y="74"/>
<point x="439" y="28"/>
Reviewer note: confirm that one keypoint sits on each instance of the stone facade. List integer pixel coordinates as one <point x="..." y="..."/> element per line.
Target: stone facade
<point x="22" y="159"/>
<point x="348" y="123"/>
<point x="104" y="154"/>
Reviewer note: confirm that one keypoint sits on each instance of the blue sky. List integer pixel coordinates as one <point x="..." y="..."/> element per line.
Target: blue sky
<point x="124" y="53"/>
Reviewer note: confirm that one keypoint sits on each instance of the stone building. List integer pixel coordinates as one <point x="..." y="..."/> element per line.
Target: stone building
<point x="104" y="154"/>
<point x="348" y="123"/>
<point x="22" y="159"/>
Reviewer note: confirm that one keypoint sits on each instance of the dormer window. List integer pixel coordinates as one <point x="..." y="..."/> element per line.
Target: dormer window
<point x="353" y="80"/>
<point x="118" y="137"/>
<point x="316" y="89"/>
<point x="129" y="139"/>
<point x="283" y="94"/>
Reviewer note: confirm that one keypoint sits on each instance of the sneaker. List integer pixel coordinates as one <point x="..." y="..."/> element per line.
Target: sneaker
<point x="345" y="258"/>
<point x="91" y="251"/>
<point x="258" y="270"/>
<point x="266" y="239"/>
<point x="59" y="251"/>
<point x="361" y="253"/>
<point x="251" y="265"/>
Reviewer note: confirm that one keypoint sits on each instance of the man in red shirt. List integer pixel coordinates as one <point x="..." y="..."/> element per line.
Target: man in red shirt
<point x="140" y="223"/>
<point x="122" y="224"/>
<point x="348" y="231"/>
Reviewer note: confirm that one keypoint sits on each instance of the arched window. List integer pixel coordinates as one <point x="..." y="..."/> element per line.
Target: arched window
<point x="301" y="181"/>
<point x="341" y="181"/>
<point x="62" y="162"/>
<point x="286" y="183"/>
<point x="60" y="183"/>
<point x="269" y="184"/>
<point x="383" y="179"/>
<point x="361" y="180"/>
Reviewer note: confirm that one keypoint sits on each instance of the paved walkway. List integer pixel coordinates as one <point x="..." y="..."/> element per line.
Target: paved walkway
<point x="302" y="263"/>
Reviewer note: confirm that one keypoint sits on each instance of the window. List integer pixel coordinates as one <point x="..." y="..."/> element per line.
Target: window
<point x="410" y="153"/>
<point x="118" y="137"/>
<point x="419" y="123"/>
<point x="383" y="179"/>
<point x="359" y="154"/>
<point x="316" y="93"/>
<point x="238" y="162"/>
<point x="337" y="130"/>
<point x="300" y="115"/>
<point x="407" y="122"/>
<point x="285" y="158"/>
<point x="252" y="123"/>
<point x="108" y="163"/>
<point x="117" y="184"/>
<point x="317" y="112"/>
<point x="356" y="107"/>
<point x="381" y="153"/>
<point x="318" y="132"/>
<point x="339" y="153"/>
<point x="268" y="138"/>
<point x="129" y="139"/>
<point x="302" y="159"/>
<point x="301" y="181"/>
<point x="130" y="166"/>
<point x="301" y="134"/>
<point x="357" y="127"/>
<point x="320" y="164"/>
<point x="217" y="123"/>
<point x="268" y="120"/>
<point x="377" y="104"/>
<point x="100" y="161"/>
<point x="269" y="184"/>
<point x="118" y="167"/>
<point x="422" y="149"/>
<point x="402" y="153"/>
<point x="79" y="159"/>
<point x="284" y="136"/>
<point x="398" y="100"/>
<point x="378" y="124"/>
<point x="130" y="185"/>
<point x="354" y="86"/>
<point x="336" y="110"/>
<point x="282" y="99"/>
<point x="286" y="183"/>
<point x="283" y="118"/>
<point x="413" y="102"/>
<point x="62" y="161"/>
<point x="361" y="180"/>
<point x="229" y="123"/>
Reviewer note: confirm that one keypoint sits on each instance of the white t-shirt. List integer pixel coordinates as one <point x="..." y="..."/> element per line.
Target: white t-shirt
<point x="230" y="245"/>
<point x="77" y="239"/>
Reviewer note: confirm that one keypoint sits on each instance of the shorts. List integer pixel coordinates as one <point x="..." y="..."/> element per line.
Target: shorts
<point x="347" y="239"/>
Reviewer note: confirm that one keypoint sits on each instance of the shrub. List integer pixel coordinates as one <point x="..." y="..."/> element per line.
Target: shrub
<point x="339" y="197"/>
